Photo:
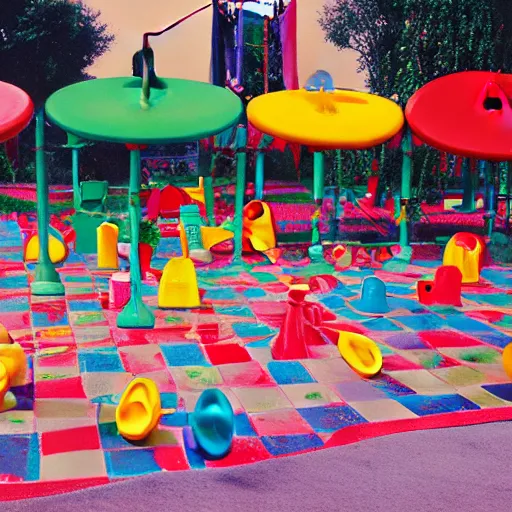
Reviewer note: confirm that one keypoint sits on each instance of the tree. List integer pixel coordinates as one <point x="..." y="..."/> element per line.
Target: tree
<point x="48" y="44"/>
<point x="404" y="44"/>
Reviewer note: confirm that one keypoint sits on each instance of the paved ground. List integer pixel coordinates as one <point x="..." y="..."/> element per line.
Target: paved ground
<point x="439" y="471"/>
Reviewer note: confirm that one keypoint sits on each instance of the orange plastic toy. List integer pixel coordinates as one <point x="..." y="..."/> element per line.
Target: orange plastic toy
<point x="14" y="359"/>
<point x="5" y="338"/>
<point x="444" y="290"/>
<point x="466" y="252"/>
<point x="258" y="228"/>
<point x="13" y="371"/>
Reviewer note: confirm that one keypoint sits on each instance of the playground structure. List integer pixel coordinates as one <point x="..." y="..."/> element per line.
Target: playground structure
<point x="345" y="321"/>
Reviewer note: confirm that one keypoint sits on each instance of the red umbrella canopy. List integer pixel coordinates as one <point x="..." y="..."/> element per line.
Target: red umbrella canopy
<point x="16" y="110"/>
<point x="467" y="114"/>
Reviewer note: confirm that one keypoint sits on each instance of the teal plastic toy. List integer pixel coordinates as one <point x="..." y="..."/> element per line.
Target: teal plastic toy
<point x="213" y="424"/>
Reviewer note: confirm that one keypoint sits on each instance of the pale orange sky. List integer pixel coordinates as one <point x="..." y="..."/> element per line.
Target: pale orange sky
<point x="185" y="51"/>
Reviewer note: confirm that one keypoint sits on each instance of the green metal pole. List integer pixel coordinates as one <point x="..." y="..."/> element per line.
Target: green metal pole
<point x="135" y="315"/>
<point x="406" y="193"/>
<point x="47" y="280"/>
<point x="260" y="175"/>
<point x="507" y="206"/>
<point x="209" y="195"/>
<point x="241" y="161"/>
<point x="75" y="153"/>
<point x="490" y="198"/>
<point x="318" y="176"/>
<point x="468" y="199"/>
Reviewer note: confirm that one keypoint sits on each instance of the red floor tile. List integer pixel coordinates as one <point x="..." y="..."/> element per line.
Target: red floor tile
<point x="227" y="354"/>
<point x="245" y="450"/>
<point x="171" y="458"/>
<point x="64" y="441"/>
<point x="60" y="388"/>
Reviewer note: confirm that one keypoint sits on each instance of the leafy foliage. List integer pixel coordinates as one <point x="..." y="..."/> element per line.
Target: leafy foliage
<point x="7" y="173"/>
<point x="48" y="44"/>
<point x="404" y="44"/>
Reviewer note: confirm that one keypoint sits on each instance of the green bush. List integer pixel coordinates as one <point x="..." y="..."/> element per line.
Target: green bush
<point x="7" y="173"/>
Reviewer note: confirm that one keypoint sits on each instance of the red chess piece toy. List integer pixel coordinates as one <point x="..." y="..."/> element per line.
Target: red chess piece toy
<point x="444" y="290"/>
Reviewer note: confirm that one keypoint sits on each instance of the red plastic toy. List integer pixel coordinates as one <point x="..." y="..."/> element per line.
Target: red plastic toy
<point x="444" y="290"/>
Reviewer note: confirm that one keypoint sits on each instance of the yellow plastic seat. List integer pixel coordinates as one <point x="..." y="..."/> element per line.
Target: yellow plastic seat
<point x="178" y="286"/>
<point x="108" y="235"/>
<point x="57" y="249"/>
<point x="361" y="353"/>
<point x="258" y="234"/>
<point x="13" y="358"/>
<point x="465" y="251"/>
<point x="139" y="409"/>
<point x="196" y="193"/>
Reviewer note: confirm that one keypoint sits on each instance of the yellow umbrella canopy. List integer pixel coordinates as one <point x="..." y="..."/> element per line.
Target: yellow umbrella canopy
<point x="323" y="119"/>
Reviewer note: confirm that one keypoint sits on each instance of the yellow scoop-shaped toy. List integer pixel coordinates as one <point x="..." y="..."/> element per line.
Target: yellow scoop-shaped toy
<point x="139" y="410"/>
<point x="361" y="353"/>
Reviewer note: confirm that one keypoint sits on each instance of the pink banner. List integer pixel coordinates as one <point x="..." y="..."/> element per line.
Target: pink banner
<point x="288" y="26"/>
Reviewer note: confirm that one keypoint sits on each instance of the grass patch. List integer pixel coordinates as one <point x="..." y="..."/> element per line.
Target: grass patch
<point x="11" y="204"/>
<point x="298" y="198"/>
<point x="485" y="356"/>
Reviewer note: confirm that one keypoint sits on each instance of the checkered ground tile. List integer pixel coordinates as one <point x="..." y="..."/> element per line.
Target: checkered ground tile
<point x="436" y="361"/>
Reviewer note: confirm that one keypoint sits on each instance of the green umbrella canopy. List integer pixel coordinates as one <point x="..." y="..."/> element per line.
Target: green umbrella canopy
<point x="109" y="110"/>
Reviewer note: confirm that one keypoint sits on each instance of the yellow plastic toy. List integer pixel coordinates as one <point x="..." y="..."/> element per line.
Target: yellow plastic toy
<point x="210" y="237"/>
<point x="507" y="360"/>
<point x="13" y="372"/>
<point x="258" y="228"/>
<point x="178" y="286"/>
<point x="57" y="248"/>
<point x="361" y="353"/>
<point x="196" y="193"/>
<point x="139" y="410"/>
<point x="4" y="384"/>
<point x="324" y="120"/>
<point x="108" y="235"/>
<point x="13" y="357"/>
<point x="465" y="251"/>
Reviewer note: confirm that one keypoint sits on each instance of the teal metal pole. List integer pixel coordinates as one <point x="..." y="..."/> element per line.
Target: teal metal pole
<point x="406" y="187"/>
<point x="241" y="161"/>
<point x="75" y="153"/>
<point x="468" y="199"/>
<point x="260" y="175"/>
<point x="318" y="176"/>
<point x="507" y="206"/>
<point x="47" y="280"/>
<point x="135" y="315"/>
<point x="490" y="197"/>
<point x="209" y="195"/>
